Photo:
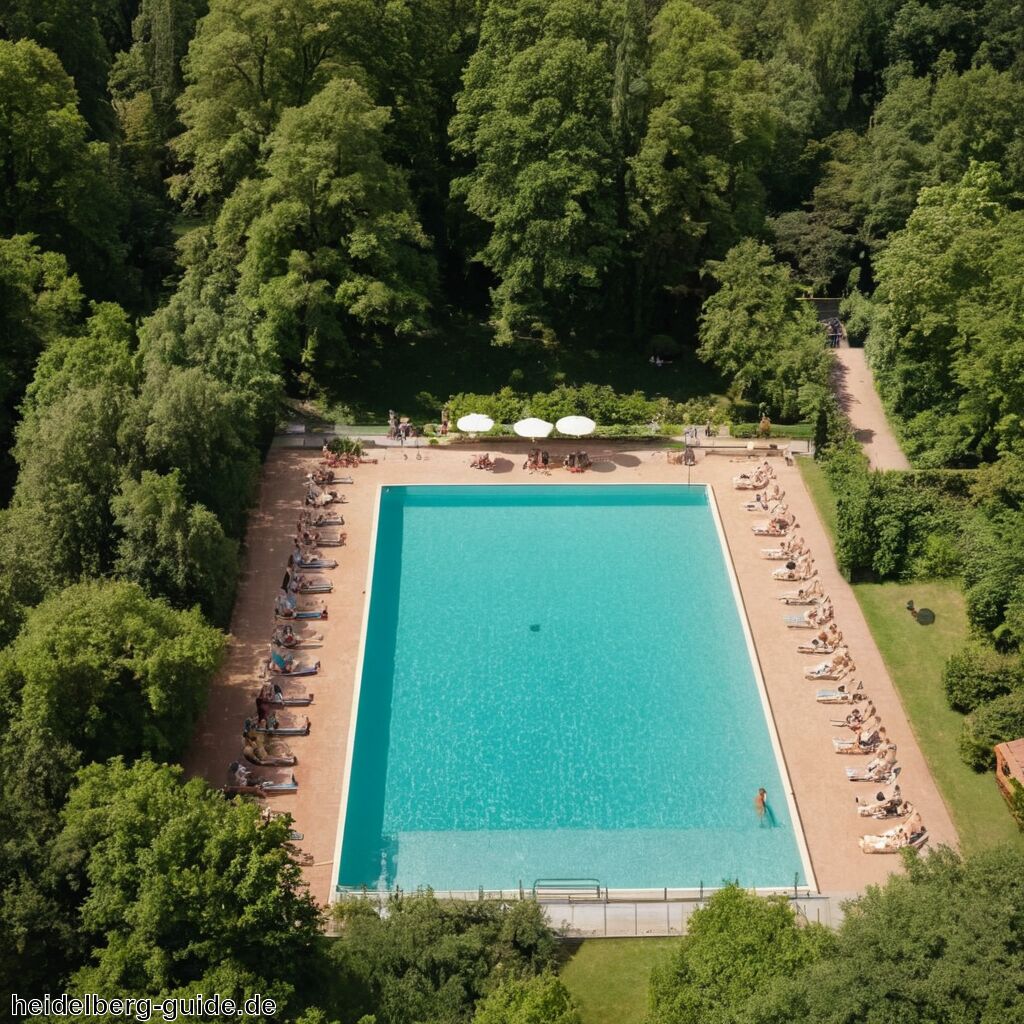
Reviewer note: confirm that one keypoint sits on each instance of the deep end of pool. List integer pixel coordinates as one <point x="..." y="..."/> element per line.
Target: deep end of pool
<point x="556" y="682"/>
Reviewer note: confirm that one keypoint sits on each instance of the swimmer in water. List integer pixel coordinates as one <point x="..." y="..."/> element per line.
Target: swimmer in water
<point x="764" y="812"/>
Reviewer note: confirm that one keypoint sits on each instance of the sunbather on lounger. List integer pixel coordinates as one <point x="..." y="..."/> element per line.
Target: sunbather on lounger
<point x="283" y="725"/>
<point x="908" y="833"/>
<point x="285" y="636"/>
<point x="302" y="584"/>
<point x="309" y="560"/>
<point x="881" y="768"/>
<point x="856" y="719"/>
<point x="787" y="550"/>
<point x="836" y="669"/>
<point x="272" y="696"/>
<point x="812" y="618"/>
<point x="252" y="755"/>
<point x="841" y="694"/>
<point x="756" y="480"/>
<point x="316" y="520"/>
<point x="286" y="607"/>
<point x="820" y="615"/>
<point x="286" y="664"/>
<point x="800" y="569"/>
<point x="867" y="741"/>
<point x="886" y="803"/>
<point x="827" y="641"/>
<point x="805" y="595"/>
<point x="778" y="526"/>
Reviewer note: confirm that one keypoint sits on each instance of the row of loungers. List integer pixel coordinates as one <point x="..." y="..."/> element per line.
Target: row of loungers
<point x="862" y="732"/>
<point x="293" y="644"/>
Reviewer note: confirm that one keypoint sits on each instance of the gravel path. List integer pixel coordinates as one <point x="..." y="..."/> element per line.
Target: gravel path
<point x="855" y="389"/>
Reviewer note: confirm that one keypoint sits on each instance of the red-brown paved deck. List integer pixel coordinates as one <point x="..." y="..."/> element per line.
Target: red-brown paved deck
<point x="823" y="796"/>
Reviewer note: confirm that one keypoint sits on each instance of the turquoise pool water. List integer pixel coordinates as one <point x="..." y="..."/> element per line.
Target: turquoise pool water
<point x="556" y="684"/>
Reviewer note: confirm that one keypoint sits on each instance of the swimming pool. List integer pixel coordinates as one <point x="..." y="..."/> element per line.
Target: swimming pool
<point x="556" y="683"/>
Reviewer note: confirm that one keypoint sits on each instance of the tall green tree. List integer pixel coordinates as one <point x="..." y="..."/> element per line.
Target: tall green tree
<point x="110" y="671"/>
<point x="542" y="999"/>
<point x="534" y="117"/>
<point x="733" y="949"/>
<point x="173" y="549"/>
<point x="39" y="301"/>
<point x="71" y="460"/>
<point x="711" y="129"/>
<point x="75" y="31"/>
<point x="757" y="332"/>
<point x="55" y="184"/>
<point x="182" y="891"/>
<point x="333" y="249"/>
<point x="937" y="945"/>
<point x="248" y="61"/>
<point x="945" y="340"/>
<point x="189" y="421"/>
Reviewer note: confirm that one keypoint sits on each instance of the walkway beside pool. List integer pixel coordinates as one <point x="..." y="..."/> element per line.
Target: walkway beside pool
<point x="823" y="796"/>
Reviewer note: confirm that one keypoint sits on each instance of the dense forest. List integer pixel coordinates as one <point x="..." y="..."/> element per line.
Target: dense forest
<point x="208" y="207"/>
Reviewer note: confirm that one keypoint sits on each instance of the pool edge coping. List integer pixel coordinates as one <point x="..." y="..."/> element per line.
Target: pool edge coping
<point x="810" y="881"/>
<point x="356" y="695"/>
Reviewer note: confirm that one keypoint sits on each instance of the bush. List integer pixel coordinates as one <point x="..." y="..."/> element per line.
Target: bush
<point x="345" y="446"/>
<point x="607" y="407"/>
<point x="796" y="431"/>
<point x="856" y="310"/>
<point x="977" y="674"/>
<point x="997" y="721"/>
<point x="433" y="960"/>
<point x="104" y="667"/>
<point x="892" y="525"/>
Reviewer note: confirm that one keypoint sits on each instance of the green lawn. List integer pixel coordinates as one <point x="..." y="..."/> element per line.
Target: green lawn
<point x="821" y="492"/>
<point x="608" y="977"/>
<point x="915" y="656"/>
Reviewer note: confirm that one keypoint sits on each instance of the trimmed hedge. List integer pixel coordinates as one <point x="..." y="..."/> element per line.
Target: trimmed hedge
<point x="997" y="721"/>
<point x="601" y="403"/>
<point x="977" y="674"/>
<point x="795" y="431"/>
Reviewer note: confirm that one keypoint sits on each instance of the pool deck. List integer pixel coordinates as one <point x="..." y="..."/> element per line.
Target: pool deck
<point x="823" y="796"/>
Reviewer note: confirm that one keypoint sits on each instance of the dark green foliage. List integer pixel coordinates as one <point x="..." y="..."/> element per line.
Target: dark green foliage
<point x="758" y="298"/>
<point x="36" y="772"/>
<point x="997" y="721"/>
<point x="734" y="948"/>
<point x="39" y="300"/>
<point x="60" y="523"/>
<point x="104" y="668"/>
<point x="1016" y="802"/>
<point x="895" y="525"/>
<point x="56" y="185"/>
<point x="180" y="890"/>
<point x="535" y="117"/>
<point x="173" y="549"/>
<point x="938" y="945"/>
<point x="601" y="403"/>
<point x="190" y="422"/>
<point x="976" y="674"/>
<point x="428" y="960"/>
<point x="539" y="1000"/>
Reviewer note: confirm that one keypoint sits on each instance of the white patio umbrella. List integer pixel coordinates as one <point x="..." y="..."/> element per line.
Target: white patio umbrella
<point x="474" y="423"/>
<point x="575" y="426"/>
<point x="533" y="428"/>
